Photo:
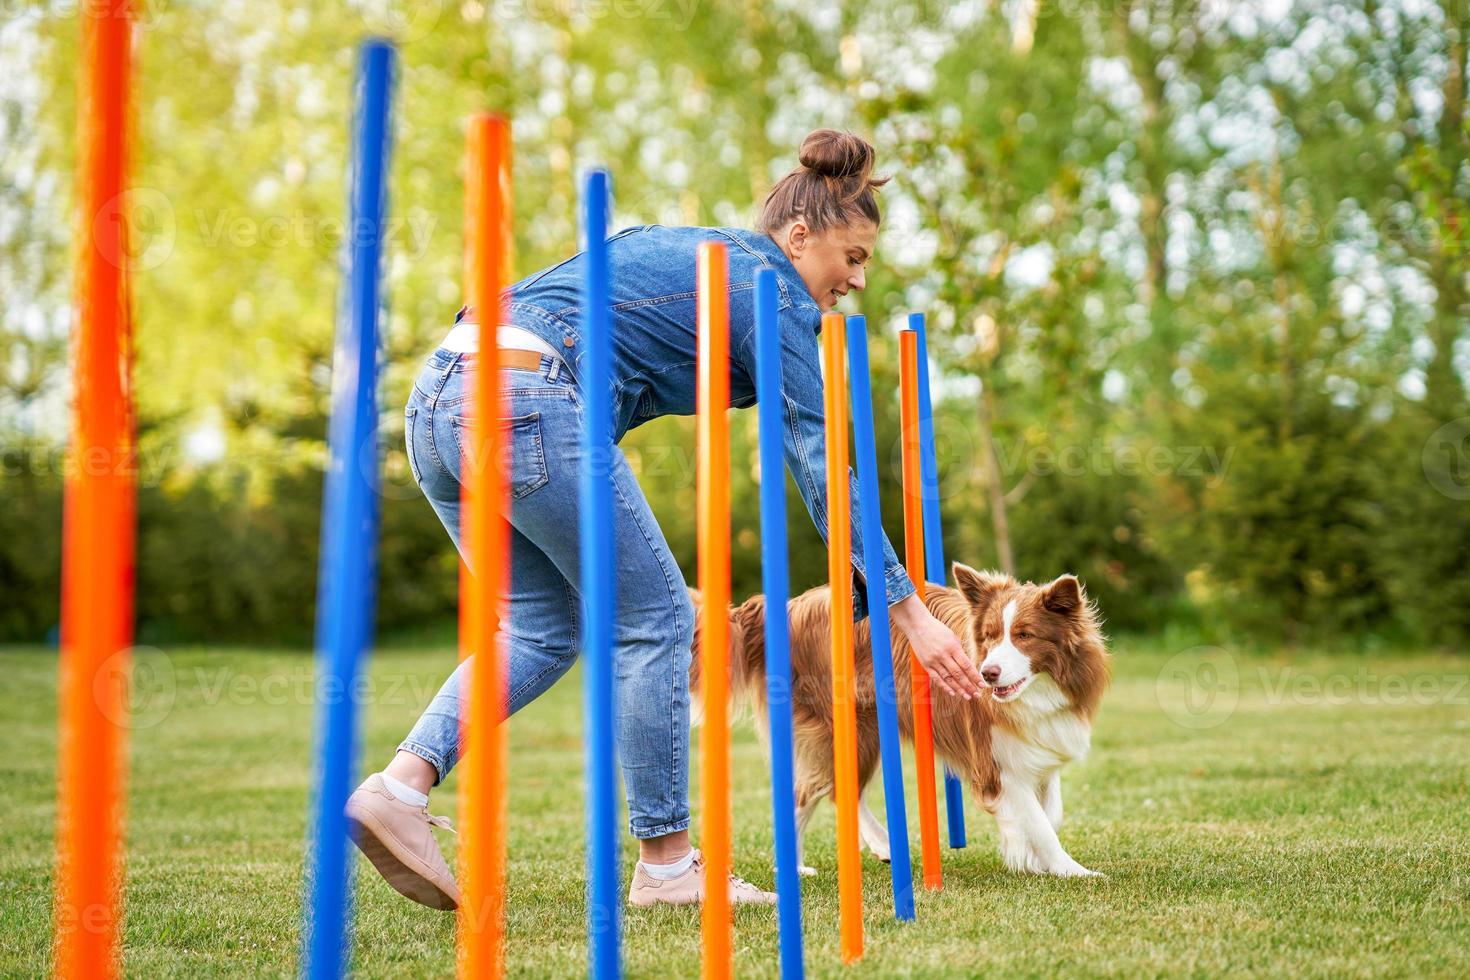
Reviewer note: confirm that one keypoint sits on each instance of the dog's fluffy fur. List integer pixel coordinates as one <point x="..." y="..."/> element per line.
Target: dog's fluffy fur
<point x="1041" y="652"/>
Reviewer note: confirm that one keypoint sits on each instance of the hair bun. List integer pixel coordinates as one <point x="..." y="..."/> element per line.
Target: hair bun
<point x="832" y="186"/>
<point x="834" y="154"/>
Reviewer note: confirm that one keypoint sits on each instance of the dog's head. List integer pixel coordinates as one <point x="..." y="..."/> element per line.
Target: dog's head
<point x="1024" y="633"/>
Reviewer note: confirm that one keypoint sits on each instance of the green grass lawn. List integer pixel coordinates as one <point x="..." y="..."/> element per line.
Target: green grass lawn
<point x="1321" y="827"/>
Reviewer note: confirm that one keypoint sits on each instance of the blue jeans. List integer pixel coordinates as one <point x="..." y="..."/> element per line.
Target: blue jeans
<point x="655" y="618"/>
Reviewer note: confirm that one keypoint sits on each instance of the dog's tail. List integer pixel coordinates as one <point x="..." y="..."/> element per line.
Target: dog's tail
<point x="747" y="655"/>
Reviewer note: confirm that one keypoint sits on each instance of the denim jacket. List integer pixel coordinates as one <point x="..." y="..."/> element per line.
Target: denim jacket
<point x="654" y="344"/>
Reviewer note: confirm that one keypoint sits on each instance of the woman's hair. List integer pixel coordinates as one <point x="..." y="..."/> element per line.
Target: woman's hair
<point x="833" y="186"/>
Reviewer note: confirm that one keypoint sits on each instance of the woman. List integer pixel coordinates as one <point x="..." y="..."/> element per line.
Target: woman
<point x="817" y="230"/>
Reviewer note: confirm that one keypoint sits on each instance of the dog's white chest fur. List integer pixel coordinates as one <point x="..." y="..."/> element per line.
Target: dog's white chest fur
<point x="1047" y="734"/>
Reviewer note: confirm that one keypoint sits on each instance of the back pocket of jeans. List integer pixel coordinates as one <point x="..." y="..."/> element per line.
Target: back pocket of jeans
<point x="526" y="467"/>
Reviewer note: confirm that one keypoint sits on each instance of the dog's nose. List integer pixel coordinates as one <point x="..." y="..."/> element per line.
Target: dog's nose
<point x="991" y="674"/>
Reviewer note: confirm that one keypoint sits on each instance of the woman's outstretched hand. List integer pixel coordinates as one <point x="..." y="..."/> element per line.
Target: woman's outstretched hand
<point x="937" y="648"/>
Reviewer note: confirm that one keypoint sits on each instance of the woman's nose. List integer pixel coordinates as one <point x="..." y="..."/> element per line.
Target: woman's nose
<point x="858" y="281"/>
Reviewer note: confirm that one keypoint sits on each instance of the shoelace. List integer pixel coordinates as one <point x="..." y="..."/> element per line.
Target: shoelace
<point x="735" y="879"/>
<point x="441" y="822"/>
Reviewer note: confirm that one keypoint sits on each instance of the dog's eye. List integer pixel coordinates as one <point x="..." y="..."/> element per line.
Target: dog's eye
<point x="1022" y="635"/>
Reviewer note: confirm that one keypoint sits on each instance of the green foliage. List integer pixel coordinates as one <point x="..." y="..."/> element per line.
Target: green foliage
<point x="1423" y="531"/>
<point x="1194" y="272"/>
<point x="226" y="552"/>
<point x="30" y="543"/>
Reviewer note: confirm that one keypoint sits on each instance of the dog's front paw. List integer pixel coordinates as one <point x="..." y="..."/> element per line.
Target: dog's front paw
<point x="1071" y="869"/>
<point x="803" y="870"/>
<point x="1019" y="857"/>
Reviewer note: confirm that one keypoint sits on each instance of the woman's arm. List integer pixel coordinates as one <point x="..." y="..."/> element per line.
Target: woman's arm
<point x="804" y="440"/>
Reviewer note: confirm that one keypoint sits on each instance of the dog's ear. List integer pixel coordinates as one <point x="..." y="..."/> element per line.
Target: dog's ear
<point x="1063" y="596"/>
<point x="979" y="588"/>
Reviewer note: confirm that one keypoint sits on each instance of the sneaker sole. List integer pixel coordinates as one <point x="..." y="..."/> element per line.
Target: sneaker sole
<point x="651" y="902"/>
<point x="648" y="903"/>
<point x="407" y="880"/>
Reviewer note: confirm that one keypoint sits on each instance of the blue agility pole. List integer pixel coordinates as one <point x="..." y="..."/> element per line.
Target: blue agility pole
<point x="865" y="449"/>
<point x="775" y="575"/>
<point x="347" y="572"/>
<point x="599" y="598"/>
<point x="954" y="793"/>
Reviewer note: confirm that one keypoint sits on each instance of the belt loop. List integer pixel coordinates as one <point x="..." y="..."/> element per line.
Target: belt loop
<point x="555" y="371"/>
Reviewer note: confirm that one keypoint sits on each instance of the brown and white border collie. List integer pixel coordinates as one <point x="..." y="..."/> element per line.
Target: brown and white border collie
<point x="1040" y="650"/>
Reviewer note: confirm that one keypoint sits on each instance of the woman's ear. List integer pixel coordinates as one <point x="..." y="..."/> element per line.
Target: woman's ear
<point x="798" y="236"/>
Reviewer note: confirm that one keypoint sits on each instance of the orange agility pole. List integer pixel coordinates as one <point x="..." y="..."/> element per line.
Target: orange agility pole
<point x="844" y="689"/>
<point x="98" y="531"/>
<point x="714" y="585"/>
<point x="486" y="505"/>
<point x="913" y="536"/>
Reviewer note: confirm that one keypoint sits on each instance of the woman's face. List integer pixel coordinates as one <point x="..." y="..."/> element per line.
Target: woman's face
<point x="832" y="262"/>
